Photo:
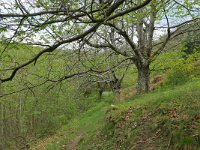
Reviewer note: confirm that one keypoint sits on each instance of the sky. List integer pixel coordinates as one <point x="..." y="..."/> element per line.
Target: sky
<point x="158" y="32"/>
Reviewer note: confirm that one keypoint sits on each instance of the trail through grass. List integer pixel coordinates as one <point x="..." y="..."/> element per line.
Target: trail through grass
<point x="160" y="119"/>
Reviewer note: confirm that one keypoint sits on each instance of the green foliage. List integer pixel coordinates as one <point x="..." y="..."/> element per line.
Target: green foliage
<point x="180" y="63"/>
<point x="191" y="42"/>
<point x="53" y="147"/>
<point x="165" y="118"/>
<point x="37" y="112"/>
<point x="86" y="125"/>
<point x="46" y="103"/>
<point x="130" y="77"/>
<point x="178" y="76"/>
<point x="184" y="70"/>
<point x="177" y="118"/>
<point x="118" y="129"/>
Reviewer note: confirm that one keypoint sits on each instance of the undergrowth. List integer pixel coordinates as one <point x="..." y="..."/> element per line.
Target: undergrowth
<point x="168" y="118"/>
<point x="165" y="119"/>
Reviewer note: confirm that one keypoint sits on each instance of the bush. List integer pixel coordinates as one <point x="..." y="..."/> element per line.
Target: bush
<point x="177" y="76"/>
<point x="184" y="70"/>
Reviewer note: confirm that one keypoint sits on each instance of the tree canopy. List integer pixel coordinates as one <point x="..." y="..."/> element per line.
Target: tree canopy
<point x="125" y="28"/>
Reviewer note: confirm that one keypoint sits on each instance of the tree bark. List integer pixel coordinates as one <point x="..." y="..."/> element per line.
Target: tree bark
<point x="143" y="81"/>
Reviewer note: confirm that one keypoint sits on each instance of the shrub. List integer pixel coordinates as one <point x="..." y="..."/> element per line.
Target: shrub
<point x="184" y="70"/>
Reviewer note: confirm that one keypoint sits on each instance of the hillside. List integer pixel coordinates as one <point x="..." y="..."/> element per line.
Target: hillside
<point x="99" y="75"/>
<point x="167" y="118"/>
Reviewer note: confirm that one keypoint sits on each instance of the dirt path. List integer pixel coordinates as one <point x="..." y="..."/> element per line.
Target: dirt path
<point x="72" y="145"/>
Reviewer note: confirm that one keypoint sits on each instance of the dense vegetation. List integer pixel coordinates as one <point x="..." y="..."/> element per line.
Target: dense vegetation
<point x="99" y="74"/>
<point x="165" y="118"/>
<point x="38" y="112"/>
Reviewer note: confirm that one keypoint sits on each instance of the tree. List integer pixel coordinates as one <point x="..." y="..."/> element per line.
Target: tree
<point x="138" y="29"/>
<point x="191" y="42"/>
<point x="57" y="24"/>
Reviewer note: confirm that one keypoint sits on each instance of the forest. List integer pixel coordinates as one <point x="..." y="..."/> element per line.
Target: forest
<point x="99" y="74"/>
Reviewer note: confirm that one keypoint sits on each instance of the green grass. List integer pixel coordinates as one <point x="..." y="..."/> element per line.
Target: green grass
<point x="86" y="125"/>
<point x="163" y="119"/>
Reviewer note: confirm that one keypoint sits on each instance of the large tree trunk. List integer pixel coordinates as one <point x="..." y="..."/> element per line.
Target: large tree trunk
<point x="143" y="81"/>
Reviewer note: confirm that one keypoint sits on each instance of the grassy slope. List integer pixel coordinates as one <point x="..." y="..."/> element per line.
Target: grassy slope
<point x="85" y="125"/>
<point x="168" y="118"/>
